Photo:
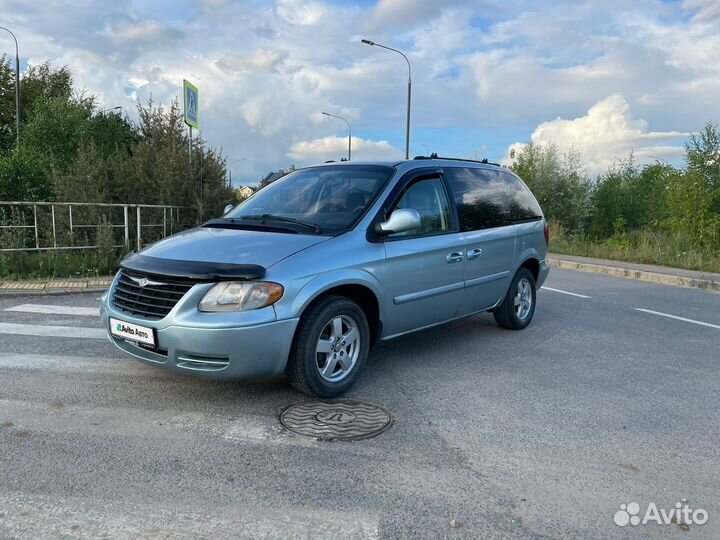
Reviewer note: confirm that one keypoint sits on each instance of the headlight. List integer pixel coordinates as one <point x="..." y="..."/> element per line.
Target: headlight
<point x="241" y="296"/>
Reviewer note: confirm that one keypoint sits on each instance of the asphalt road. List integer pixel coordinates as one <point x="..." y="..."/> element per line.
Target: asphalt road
<point x="542" y="433"/>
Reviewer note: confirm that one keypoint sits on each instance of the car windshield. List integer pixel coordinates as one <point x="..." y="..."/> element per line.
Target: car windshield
<point x="325" y="199"/>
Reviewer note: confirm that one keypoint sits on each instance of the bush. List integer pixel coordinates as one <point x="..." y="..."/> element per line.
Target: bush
<point x="644" y="246"/>
<point x="107" y="257"/>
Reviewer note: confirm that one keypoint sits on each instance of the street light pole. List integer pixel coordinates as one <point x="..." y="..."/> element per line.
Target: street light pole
<point x="17" y="87"/>
<point x="409" y="94"/>
<point x="349" y="131"/>
<point x="230" y="168"/>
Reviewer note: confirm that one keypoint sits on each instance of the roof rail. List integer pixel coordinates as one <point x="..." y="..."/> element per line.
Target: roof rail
<point x="435" y="156"/>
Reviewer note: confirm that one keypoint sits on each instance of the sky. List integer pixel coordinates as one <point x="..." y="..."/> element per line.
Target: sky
<point x="602" y="77"/>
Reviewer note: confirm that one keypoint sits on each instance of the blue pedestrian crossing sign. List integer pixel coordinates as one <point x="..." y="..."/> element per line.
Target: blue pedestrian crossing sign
<point x="190" y="96"/>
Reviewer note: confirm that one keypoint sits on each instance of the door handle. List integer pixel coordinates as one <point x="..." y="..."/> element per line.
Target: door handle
<point x="454" y="257"/>
<point x="474" y="253"/>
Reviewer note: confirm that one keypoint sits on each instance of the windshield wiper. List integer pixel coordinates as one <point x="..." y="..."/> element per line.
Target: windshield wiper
<point x="272" y="217"/>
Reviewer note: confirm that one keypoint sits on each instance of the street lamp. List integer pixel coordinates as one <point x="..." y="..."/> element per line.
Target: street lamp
<point x="17" y="87"/>
<point x="230" y="168"/>
<point x="407" y="125"/>
<point x="349" y="130"/>
<point x="111" y="109"/>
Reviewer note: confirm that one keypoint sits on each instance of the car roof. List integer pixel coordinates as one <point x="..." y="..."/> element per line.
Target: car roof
<point x="417" y="162"/>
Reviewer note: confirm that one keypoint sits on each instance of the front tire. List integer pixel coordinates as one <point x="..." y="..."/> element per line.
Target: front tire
<point x="518" y="307"/>
<point x="330" y="347"/>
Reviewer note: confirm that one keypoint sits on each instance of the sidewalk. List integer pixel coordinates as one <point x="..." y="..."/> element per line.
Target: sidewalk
<point x="55" y="286"/>
<point x="644" y="272"/>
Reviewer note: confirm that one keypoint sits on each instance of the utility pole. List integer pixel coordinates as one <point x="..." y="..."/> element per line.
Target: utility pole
<point x="17" y="87"/>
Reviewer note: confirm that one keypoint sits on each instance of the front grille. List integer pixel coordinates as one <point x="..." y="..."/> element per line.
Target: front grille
<point x="153" y="301"/>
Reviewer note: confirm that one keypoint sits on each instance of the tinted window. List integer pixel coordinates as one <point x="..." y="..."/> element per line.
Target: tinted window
<point x="523" y="206"/>
<point x="480" y="197"/>
<point x="332" y="197"/>
<point x="429" y="199"/>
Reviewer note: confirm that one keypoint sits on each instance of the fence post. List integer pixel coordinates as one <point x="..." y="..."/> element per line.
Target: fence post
<point x="127" y="227"/>
<point x="164" y="221"/>
<point x="72" y="235"/>
<point x="52" y="209"/>
<point x="37" y="238"/>
<point x="139" y="228"/>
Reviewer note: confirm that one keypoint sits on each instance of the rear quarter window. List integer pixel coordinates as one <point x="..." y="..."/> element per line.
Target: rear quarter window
<point x="479" y="196"/>
<point x="523" y="205"/>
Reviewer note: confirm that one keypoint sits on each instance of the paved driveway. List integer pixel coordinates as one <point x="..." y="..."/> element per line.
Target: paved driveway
<point x="542" y="433"/>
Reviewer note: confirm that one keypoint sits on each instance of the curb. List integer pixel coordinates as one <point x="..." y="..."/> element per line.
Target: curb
<point x="643" y="275"/>
<point x="51" y="292"/>
<point x="53" y="287"/>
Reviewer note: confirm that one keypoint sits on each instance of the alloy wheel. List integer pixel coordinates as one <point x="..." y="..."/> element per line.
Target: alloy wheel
<point x="338" y="348"/>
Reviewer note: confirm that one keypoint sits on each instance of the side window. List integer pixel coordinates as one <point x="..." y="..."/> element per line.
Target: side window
<point x="480" y="198"/>
<point x="429" y="199"/>
<point x="523" y="205"/>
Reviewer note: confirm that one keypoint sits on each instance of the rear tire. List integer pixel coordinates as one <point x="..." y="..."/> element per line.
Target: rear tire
<point x="518" y="307"/>
<point x="330" y="347"/>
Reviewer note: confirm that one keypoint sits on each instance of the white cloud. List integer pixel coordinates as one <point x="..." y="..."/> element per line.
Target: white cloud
<point x="300" y="11"/>
<point x="261" y="61"/>
<point x="706" y="10"/>
<point x="605" y="134"/>
<point x="485" y="72"/>
<point x="334" y="148"/>
<point x="135" y="33"/>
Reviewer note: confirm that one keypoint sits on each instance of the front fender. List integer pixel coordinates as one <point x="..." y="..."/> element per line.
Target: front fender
<point x="326" y="281"/>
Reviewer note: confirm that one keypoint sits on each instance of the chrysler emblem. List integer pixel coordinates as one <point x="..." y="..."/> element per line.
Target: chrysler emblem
<point x="144" y="282"/>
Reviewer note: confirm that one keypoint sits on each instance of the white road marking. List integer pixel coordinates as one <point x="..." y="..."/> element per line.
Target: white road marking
<point x="52" y="331"/>
<point x="128" y="423"/>
<point x="56" y="310"/>
<point x="50" y="516"/>
<point x="111" y="365"/>
<point x="693" y="321"/>
<point x="564" y="292"/>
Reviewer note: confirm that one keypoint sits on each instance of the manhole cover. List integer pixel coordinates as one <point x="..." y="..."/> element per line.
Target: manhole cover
<point x="343" y="420"/>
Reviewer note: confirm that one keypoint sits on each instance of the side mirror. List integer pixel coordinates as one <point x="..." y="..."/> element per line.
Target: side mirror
<point x="401" y="220"/>
<point x="227" y="209"/>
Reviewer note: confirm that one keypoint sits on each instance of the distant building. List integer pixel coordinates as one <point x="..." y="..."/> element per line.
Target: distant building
<point x="271" y="177"/>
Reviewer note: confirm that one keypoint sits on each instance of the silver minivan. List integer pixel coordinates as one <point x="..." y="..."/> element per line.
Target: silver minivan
<point x="305" y="276"/>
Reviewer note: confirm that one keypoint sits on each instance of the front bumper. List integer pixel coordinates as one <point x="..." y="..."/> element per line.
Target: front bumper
<point x="209" y="345"/>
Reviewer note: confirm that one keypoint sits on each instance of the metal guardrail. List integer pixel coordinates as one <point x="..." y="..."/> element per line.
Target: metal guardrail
<point x="170" y="222"/>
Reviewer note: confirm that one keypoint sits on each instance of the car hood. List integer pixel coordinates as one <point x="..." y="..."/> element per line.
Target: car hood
<point x="233" y="246"/>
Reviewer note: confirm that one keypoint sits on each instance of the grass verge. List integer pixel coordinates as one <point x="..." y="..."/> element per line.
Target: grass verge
<point x="640" y="246"/>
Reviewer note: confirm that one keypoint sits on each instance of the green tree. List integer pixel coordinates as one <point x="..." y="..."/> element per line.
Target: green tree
<point x="702" y="154"/>
<point x="23" y="176"/>
<point x="162" y="171"/>
<point x="694" y="196"/>
<point x="57" y="126"/>
<point x="559" y="182"/>
<point x="85" y="180"/>
<point x="7" y="104"/>
<point x="40" y="83"/>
